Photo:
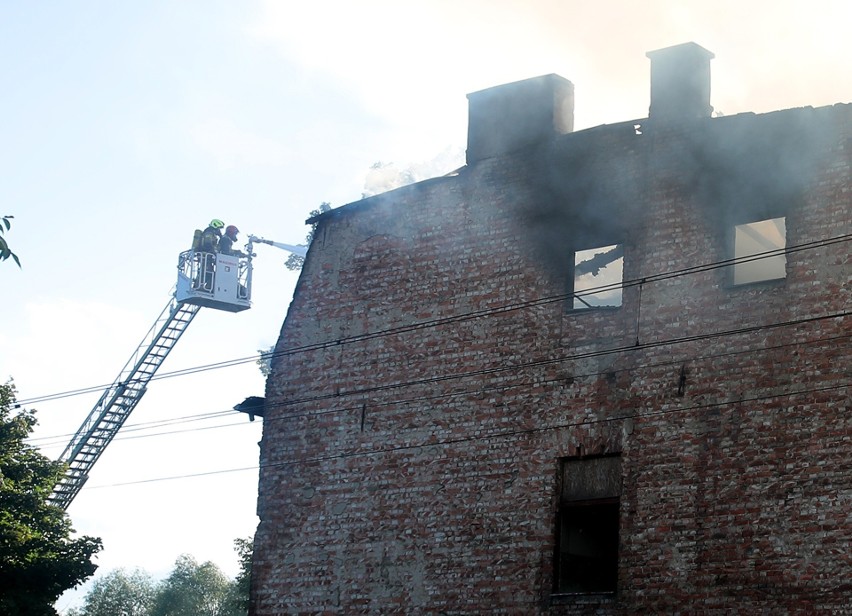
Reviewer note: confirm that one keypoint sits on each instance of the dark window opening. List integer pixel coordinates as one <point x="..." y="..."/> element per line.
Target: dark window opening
<point x="588" y="548"/>
<point x="587" y="526"/>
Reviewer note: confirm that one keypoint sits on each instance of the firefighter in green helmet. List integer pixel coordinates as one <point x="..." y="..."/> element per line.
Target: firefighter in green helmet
<point x="211" y="235"/>
<point x="208" y="245"/>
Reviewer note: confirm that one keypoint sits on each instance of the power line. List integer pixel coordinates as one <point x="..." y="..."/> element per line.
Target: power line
<point x="562" y="296"/>
<point x="454" y="394"/>
<point x="500" y="434"/>
<point x="122" y="436"/>
<point x="639" y="416"/>
<point x="495" y="369"/>
<point x="182" y="372"/>
<point x="142" y="426"/>
<point x="585" y="422"/>
<point x="539" y="381"/>
<point x="138" y="436"/>
<point x="464" y="316"/>
<point x="187" y="476"/>
<point x="551" y="361"/>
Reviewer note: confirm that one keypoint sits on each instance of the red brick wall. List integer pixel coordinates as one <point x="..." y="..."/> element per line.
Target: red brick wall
<point x="432" y="375"/>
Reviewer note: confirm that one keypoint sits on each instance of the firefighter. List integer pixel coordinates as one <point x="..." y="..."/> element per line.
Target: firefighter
<point x="226" y="243"/>
<point x="210" y="239"/>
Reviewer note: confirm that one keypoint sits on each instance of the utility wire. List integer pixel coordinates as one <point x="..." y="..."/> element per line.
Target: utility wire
<point x="635" y="416"/>
<point x="517" y="306"/>
<point x="100" y="388"/>
<point x="138" y="436"/>
<point x="122" y="436"/>
<point x="550" y="361"/>
<point x="639" y="416"/>
<point x="561" y="297"/>
<point x="539" y="381"/>
<point x="443" y="395"/>
<point x="562" y="426"/>
<point x="462" y="317"/>
<point x="143" y="425"/>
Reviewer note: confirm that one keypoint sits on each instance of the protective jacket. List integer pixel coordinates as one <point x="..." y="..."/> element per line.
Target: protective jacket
<point x="226" y="245"/>
<point x="210" y="239"/>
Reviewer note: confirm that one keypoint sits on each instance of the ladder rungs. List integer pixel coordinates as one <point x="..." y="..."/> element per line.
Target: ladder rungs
<point x="119" y="400"/>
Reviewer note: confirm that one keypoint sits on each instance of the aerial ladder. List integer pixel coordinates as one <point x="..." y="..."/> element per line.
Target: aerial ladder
<point x="205" y="279"/>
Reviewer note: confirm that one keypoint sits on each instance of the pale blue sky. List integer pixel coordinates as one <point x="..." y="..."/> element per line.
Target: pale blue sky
<point x="124" y="126"/>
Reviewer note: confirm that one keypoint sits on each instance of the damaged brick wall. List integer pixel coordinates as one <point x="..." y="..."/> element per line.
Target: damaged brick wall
<point x="432" y="376"/>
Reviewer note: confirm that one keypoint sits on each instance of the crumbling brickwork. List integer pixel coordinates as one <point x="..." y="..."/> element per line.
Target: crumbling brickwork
<point x="433" y="377"/>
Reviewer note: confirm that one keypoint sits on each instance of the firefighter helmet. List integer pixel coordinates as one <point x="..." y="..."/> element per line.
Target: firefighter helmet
<point x="216" y="223"/>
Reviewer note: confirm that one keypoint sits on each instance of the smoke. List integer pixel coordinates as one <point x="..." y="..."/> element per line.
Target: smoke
<point x="749" y="167"/>
<point x="584" y="192"/>
<point x="383" y="177"/>
<point x="593" y="187"/>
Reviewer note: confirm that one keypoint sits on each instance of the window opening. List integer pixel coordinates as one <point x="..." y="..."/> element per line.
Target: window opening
<point x="756" y="238"/>
<point x="598" y="277"/>
<point x="588" y="522"/>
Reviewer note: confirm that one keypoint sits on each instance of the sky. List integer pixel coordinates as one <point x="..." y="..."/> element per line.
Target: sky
<point x="125" y="126"/>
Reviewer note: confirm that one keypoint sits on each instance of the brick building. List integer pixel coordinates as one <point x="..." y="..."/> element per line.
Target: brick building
<point x="602" y="371"/>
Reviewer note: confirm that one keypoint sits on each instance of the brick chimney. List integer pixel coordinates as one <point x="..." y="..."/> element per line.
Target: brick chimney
<point x="516" y="115"/>
<point x="680" y="82"/>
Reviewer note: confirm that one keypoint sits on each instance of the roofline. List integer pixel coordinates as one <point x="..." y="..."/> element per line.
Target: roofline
<point x="366" y="202"/>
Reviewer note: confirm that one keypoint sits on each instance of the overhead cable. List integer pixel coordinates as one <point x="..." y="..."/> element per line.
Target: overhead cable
<point x="639" y="416"/>
<point x="486" y="312"/>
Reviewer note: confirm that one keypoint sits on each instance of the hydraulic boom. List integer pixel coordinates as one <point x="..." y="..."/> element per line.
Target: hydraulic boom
<point x="216" y="280"/>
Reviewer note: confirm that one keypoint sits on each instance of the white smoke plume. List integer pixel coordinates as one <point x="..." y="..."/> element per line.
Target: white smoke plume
<point x="383" y="177"/>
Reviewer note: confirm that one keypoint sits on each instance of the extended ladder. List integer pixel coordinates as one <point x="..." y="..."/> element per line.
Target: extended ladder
<point x="119" y="399"/>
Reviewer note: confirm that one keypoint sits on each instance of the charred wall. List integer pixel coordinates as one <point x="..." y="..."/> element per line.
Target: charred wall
<point x="433" y="377"/>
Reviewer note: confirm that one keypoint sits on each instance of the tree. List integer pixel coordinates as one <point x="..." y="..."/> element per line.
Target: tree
<point x="5" y="253"/>
<point x="238" y="600"/>
<point x="264" y="362"/>
<point x="294" y="261"/>
<point x="38" y="559"/>
<point x="192" y="590"/>
<point x="121" y="593"/>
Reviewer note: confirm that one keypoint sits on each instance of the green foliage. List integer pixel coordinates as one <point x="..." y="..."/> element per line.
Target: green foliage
<point x="264" y="362"/>
<point x="5" y="252"/>
<point x="239" y="599"/>
<point x="193" y="590"/>
<point x="294" y="261"/>
<point x="121" y="592"/>
<point x="38" y="559"/>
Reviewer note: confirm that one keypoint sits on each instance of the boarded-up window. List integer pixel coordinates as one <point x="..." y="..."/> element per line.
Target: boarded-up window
<point x="588" y="522"/>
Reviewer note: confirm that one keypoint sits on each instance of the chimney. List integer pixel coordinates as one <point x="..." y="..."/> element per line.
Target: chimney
<point x="680" y="82"/>
<point x="516" y="115"/>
